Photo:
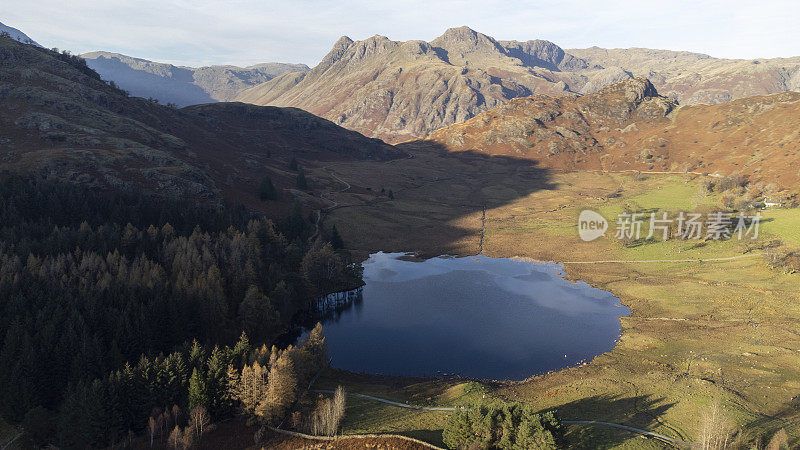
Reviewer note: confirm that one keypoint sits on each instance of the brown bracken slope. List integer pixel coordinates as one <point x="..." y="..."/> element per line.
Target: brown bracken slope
<point x="628" y="126"/>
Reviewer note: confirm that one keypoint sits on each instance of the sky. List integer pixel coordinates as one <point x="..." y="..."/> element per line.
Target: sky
<point x="245" y="32"/>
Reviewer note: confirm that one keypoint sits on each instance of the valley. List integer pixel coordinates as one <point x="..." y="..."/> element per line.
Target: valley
<point x="163" y="266"/>
<point x="698" y="331"/>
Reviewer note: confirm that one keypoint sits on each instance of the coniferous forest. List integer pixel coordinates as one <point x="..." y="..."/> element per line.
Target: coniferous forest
<point x="119" y="309"/>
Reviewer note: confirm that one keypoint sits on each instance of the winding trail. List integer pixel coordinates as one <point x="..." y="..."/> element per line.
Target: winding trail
<point x="316" y="224"/>
<point x="334" y="203"/>
<point x="632" y="429"/>
<point x="660" y="437"/>
<point x="727" y="258"/>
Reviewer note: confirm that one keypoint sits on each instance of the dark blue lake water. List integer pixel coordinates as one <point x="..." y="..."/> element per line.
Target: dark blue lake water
<point x="475" y="316"/>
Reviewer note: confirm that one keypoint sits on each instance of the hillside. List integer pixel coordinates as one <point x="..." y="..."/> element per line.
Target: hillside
<point x="402" y="90"/>
<point x="61" y="121"/>
<point x="629" y="126"/>
<point x="180" y="85"/>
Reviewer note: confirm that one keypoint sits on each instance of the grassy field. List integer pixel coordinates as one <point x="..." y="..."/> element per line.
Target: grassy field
<point x="699" y="332"/>
<point x="784" y="224"/>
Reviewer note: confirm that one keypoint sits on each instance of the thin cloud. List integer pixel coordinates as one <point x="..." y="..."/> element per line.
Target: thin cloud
<point x="245" y="32"/>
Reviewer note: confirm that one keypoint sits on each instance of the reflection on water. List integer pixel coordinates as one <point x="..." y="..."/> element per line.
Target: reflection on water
<point x="476" y="316"/>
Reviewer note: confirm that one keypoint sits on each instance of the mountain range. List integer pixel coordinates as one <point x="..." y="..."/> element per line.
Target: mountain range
<point x="398" y="91"/>
<point x="63" y="121"/>
<point x="403" y="90"/>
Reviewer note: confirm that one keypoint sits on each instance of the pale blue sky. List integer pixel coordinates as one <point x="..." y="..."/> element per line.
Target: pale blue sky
<point x="243" y="32"/>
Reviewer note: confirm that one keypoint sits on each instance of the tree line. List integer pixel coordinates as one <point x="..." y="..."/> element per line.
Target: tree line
<point x="96" y="288"/>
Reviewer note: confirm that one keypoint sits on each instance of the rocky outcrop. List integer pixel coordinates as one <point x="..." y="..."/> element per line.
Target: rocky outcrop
<point x="629" y="126"/>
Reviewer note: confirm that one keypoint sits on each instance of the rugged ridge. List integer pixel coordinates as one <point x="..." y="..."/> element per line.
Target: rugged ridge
<point x="404" y="90"/>
<point x="401" y="90"/>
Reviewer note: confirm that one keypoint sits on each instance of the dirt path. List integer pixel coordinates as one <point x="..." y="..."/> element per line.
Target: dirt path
<point x="631" y="429"/>
<point x="316" y="224"/>
<point x="659" y="172"/>
<point x="333" y="202"/>
<point x="728" y="258"/>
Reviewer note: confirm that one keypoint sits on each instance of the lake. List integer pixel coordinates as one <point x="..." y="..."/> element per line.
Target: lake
<point x="475" y="316"/>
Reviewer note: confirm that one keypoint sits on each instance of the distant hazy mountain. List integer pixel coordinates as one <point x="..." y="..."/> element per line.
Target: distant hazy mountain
<point x="16" y="34"/>
<point x="182" y="85"/>
<point x="403" y="90"/>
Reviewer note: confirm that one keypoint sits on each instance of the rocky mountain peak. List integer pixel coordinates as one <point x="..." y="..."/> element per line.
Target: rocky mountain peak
<point x="336" y="53"/>
<point x="542" y="53"/>
<point x="462" y="41"/>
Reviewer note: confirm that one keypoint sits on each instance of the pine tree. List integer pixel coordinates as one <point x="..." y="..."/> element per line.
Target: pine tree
<point x="293" y="164"/>
<point x="302" y="184"/>
<point x="198" y="391"/>
<point x="317" y="347"/>
<point x="266" y="190"/>
<point x="391" y="194"/>
<point x="336" y="239"/>
<point x="273" y="356"/>
<point x="241" y="350"/>
<point x="256" y="313"/>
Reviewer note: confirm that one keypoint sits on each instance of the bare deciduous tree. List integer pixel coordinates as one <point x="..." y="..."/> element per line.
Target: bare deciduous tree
<point x="152" y="427"/>
<point x="716" y="430"/>
<point x="199" y="420"/>
<point x="328" y="414"/>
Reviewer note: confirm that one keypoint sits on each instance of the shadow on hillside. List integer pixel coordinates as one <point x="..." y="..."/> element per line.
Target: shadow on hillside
<point x="438" y="200"/>
<point x="641" y="411"/>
